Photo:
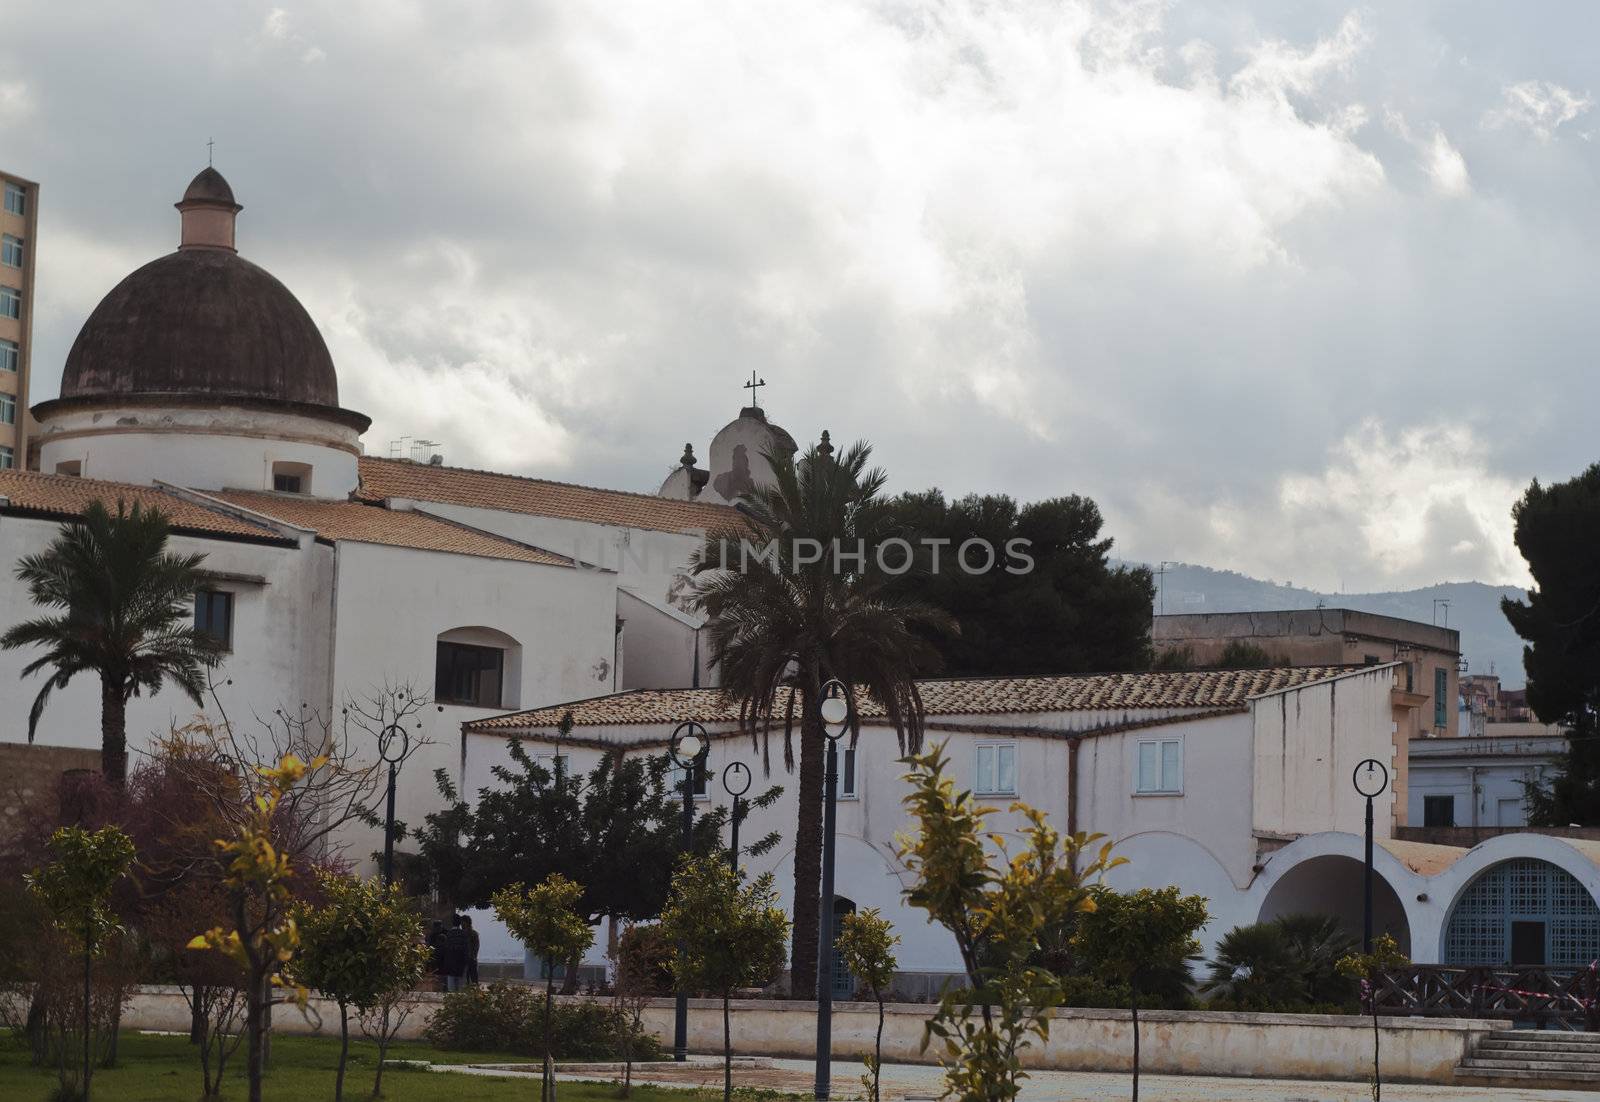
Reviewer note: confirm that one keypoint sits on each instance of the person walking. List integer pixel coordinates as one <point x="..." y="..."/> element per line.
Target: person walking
<point x="472" y="951"/>
<point x="435" y="941"/>
<point x="455" y="955"/>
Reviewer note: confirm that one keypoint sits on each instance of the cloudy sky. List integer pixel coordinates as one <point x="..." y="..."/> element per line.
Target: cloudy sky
<point x="1298" y="288"/>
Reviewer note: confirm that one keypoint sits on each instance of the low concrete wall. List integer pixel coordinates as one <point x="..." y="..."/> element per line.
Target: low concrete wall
<point x="1289" y="1046"/>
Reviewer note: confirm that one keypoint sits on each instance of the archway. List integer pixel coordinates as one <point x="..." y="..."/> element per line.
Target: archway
<point x="1330" y="884"/>
<point x="1523" y="911"/>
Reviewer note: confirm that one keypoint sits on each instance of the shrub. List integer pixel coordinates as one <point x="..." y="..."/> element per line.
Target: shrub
<point x="503" y="1017"/>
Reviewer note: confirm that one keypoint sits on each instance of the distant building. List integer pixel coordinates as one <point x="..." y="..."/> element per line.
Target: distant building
<point x="19" y="218"/>
<point x="1488" y="703"/>
<point x="1479" y="782"/>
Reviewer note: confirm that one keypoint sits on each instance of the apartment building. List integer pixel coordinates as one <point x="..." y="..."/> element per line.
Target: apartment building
<point x="19" y="213"/>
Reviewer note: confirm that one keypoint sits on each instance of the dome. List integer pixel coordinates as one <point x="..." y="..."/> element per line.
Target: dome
<point x="209" y="187"/>
<point x="202" y="325"/>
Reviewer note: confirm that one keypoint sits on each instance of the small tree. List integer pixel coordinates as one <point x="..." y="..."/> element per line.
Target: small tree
<point x="360" y="946"/>
<point x="996" y="909"/>
<point x="866" y="945"/>
<point x="731" y="934"/>
<point x="75" y="889"/>
<point x="1365" y="967"/>
<point x="643" y="962"/>
<point x="1139" y="938"/>
<point x="547" y="921"/>
<point x="1255" y="969"/>
<point x="265" y="937"/>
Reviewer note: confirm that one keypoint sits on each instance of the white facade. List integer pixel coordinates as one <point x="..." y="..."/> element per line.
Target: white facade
<point x="1208" y="830"/>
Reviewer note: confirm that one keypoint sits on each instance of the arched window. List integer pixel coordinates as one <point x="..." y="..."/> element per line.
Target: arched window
<point x="477" y="666"/>
<point x="1523" y="911"/>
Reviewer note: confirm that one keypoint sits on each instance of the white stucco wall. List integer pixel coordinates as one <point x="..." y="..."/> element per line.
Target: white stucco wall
<point x="1484" y="777"/>
<point x="1307" y="744"/>
<point x="662" y="648"/>
<point x="219" y="448"/>
<point x="280" y="654"/>
<point x="393" y="603"/>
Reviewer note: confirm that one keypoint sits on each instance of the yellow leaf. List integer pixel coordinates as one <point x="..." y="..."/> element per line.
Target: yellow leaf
<point x="198" y="942"/>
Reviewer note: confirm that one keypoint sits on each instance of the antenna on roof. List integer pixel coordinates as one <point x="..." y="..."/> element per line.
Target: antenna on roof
<point x="397" y="447"/>
<point x="420" y="452"/>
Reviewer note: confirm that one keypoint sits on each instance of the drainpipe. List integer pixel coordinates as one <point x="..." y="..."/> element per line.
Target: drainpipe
<point x="1072" y="791"/>
<point x="1472" y="786"/>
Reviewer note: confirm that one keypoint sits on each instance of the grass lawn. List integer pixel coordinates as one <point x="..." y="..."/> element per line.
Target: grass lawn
<point x="167" y="1069"/>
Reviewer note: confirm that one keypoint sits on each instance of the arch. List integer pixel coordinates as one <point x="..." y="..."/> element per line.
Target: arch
<point x="1522" y="910"/>
<point x="1331" y="884"/>
<point x="1322" y="873"/>
<point x="477" y="666"/>
<point x="1161" y="858"/>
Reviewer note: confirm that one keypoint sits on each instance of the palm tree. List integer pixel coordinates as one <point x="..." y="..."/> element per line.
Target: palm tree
<point x="126" y="612"/>
<point x="1255" y="968"/>
<point x="780" y="628"/>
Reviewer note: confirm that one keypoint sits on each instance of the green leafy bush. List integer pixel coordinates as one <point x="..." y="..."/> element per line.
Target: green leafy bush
<point x="503" y="1017"/>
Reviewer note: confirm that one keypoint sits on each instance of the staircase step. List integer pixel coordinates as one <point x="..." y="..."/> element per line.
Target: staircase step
<point x="1554" y="1080"/>
<point x="1581" y="1070"/>
<point x="1545" y="1036"/>
<point x="1554" y="1048"/>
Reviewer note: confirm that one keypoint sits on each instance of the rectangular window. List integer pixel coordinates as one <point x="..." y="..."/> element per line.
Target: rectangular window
<point x="8" y="409"/>
<point x="10" y="356"/>
<point x="286" y="483"/>
<point x="555" y="763"/>
<point x="10" y="302"/>
<point x="675" y="780"/>
<point x="1160" y="767"/>
<point x="213" y="615"/>
<point x="16" y="199"/>
<point x="1441" y="682"/>
<point x="997" y="769"/>
<point x="1439" y="811"/>
<point x="10" y="250"/>
<point x="467" y="674"/>
<point x="8" y="459"/>
<point x="847" y="773"/>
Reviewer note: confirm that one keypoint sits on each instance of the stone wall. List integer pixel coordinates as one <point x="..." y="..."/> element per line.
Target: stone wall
<point x="1287" y="1046"/>
<point x="28" y="776"/>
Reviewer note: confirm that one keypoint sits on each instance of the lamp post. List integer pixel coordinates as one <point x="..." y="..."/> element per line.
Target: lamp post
<point x="393" y="745"/>
<point x="688" y="749"/>
<point x="1370" y="779"/>
<point x="834" y="711"/>
<point x="736" y="782"/>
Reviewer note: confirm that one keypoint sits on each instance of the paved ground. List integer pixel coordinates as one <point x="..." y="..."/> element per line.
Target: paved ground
<point x="909" y="1081"/>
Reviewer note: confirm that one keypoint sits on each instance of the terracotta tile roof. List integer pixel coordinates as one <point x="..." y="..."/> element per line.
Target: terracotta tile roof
<point x="361" y="523"/>
<point x="386" y="478"/>
<point x="66" y="496"/>
<point x="1206" y="690"/>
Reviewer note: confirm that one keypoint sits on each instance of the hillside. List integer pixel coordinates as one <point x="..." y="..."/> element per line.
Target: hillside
<point x="1487" y="640"/>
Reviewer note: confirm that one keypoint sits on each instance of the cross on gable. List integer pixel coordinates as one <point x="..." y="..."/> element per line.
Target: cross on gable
<point x="753" y="387"/>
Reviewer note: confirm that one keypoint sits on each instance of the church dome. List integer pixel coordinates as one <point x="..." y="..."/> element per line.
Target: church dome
<point x="202" y="323"/>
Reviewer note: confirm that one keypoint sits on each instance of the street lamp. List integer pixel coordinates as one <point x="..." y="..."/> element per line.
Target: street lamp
<point x="689" y="746"/>
<point x="834" y="711"/>
<point x="393" y="744"/>
<point x="1370" y="779"/>
<point x="736" y="782"/>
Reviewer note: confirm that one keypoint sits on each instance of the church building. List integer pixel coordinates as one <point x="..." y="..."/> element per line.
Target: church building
<point x="200" y="386"/>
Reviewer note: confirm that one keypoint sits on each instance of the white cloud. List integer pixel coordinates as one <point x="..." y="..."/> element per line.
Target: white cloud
<point x="1446" y="167"/>
<point x="1539" y="105"/>
<point x="16" y="101"/>
<point x="1389" y="509"/>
